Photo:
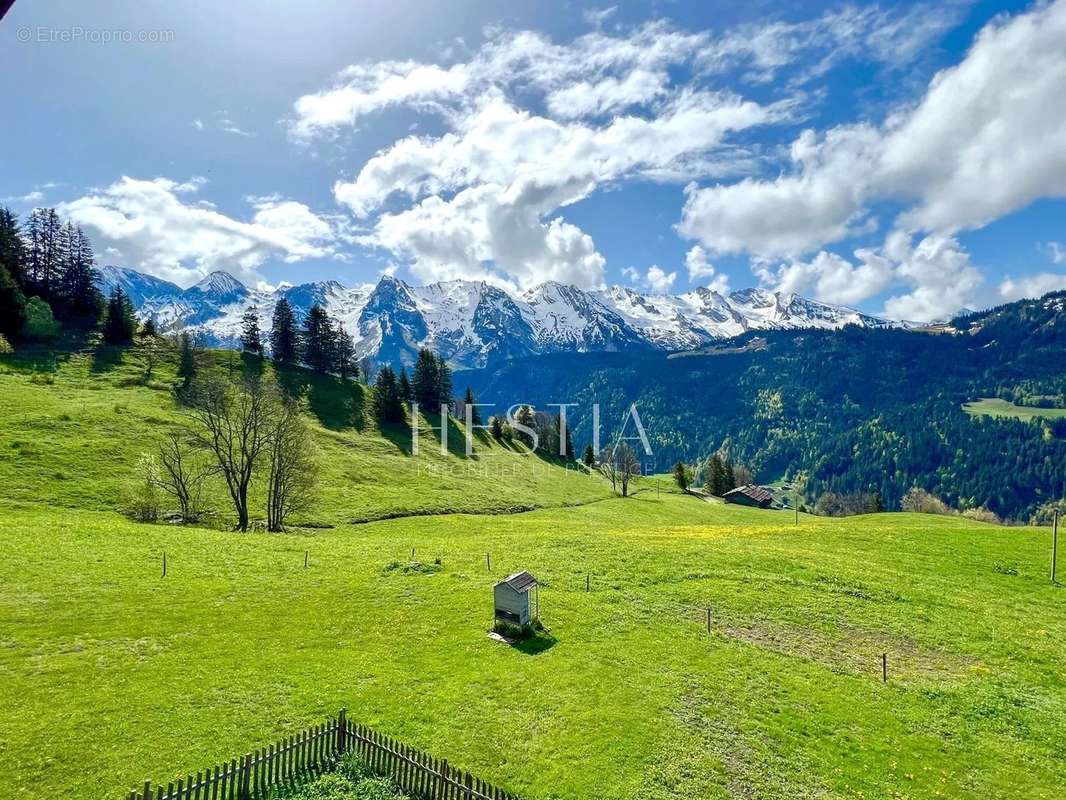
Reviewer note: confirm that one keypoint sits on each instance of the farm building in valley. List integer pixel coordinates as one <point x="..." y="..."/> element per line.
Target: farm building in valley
<point x="512" y="598"/>
<point x="750" y="495"/>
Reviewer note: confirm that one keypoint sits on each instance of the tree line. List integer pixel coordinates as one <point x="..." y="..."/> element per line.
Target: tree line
<point x="49" y="282"/>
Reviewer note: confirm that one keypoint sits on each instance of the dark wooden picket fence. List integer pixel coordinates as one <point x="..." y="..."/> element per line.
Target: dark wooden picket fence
<point x="316" y="750"/>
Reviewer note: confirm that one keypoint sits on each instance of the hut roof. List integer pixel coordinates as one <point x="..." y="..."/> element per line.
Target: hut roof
<point x="756" y="493"/>
<point x="521" y="581"/>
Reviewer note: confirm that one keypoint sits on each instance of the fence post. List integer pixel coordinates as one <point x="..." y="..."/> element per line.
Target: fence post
<point x="342" y="731"/>
<point x="147" y="790"/>
<point x="442" y="779"/>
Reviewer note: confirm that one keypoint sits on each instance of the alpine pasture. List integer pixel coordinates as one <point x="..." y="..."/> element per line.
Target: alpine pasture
<point x="111" y="673"/>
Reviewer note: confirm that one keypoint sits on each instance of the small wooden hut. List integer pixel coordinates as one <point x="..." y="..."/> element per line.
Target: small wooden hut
<point x="512" y="596"/>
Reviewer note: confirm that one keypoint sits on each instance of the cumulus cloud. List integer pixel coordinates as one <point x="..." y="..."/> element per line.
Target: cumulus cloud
<point x="487" y="193"/>
<point x="158" y="227"/>
<point x="659" y="280"/>
<point x="485" y="199"/>
<point x="1056" y="251"/>
<point x="933" y="279"/>
<point x="1032" y="285"/>
<point x="988" y="138"/>
<point x="700" y="270"/>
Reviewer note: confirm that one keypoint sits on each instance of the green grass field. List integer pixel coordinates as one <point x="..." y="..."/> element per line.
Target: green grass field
<point x="110" y="673"/>
<point x="996" y="407"/>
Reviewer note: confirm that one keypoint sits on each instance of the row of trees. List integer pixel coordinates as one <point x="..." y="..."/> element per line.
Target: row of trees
<point x="47" y="274"/>
<point x="244" y="432"/>
<point x="48" y="280"/>
<point x="318" y="341"/>
<point x="430" y="388"/>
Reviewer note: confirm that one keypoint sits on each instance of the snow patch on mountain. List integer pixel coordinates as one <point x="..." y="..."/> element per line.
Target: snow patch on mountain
<point x="473" y="323"/>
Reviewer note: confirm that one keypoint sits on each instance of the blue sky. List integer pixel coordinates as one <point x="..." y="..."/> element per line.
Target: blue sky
<point x="907" y="159"/>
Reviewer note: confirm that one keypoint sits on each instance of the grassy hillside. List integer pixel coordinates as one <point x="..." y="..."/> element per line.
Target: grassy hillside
<point x="110" y="673"/>
<point x="996" y="407"/>
<point x="72" y="429"/>
<point x="143" y="675"/>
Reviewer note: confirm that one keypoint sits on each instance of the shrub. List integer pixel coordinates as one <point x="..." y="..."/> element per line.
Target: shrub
<point x="1045" y="513"/>
<point x="982" y="514"/>
<point x="143" y="501"/>
<point x="831" y="504"/>
<point x="5" y="346"/>
<point x="922" y="502"/>
<point x="40" y="324"/>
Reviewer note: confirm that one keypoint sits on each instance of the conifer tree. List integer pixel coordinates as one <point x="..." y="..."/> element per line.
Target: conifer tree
<point x="121" y="324"/>
<point x="251" y="337"/>
<point x="318" y="340"/>
<point x="387" y="403"/>
<point x="186" y="360"/>
<point x="589" y="458"/>
<point x="682" y="477"/>
<point x="444" y="381"/>
<point x="12" y="248"/>
<point x="496" y="428"/>
<point x="77" y="291"/>
<point x="12" y="305"/>
<point x="148" y="329"/>
<point x="344" y="355"/>
<point x="283" y="344"/>
<point x="424" y="385"/>
<point x="406" y="393"/>
<point x="468" y="400"/>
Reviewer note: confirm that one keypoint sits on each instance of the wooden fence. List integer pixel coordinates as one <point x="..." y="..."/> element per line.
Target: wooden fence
<point x="316" y="750"/>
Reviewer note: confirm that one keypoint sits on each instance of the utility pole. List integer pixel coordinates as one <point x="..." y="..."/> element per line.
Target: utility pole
<point x="1054" y="544"/>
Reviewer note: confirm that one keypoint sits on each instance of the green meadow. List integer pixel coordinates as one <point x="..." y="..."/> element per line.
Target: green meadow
<point x="111" y="673"/>
<point x="997" y="407"/>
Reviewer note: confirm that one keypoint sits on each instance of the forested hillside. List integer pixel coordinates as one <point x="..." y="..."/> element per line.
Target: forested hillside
<point x="856" y="410"/>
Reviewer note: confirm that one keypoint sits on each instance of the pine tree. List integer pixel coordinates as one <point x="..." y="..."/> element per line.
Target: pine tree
<point x="148" y="329"/>
<point x="406" y="393"/>
<point x="425" y="384"/>
<point x="12" y="306"/>
<point x="251" y="338"/>
<point x="388" y="406"/>
<point x="682" y="477"/>
<point x="344" y="355"/>
<point x="121" y="324"/>
<point x="318" y="340"/>
<point x="80" y="297"/>
<point x="43" y="237"/>
<point x="444" y="381"/>
<point x="468" y="400"/>
<point x="496" y="428"/>
<point x="186" y="361"/>
<point x="715" y="480"/>
<point x="729" y="477"/>
<point x="283" y="333"/>
<point x="589" y="458"/>
<point x="12" y="248"/>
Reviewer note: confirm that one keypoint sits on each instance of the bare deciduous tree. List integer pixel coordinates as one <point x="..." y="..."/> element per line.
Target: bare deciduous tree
<point x="236" y="428"/>
<point x="182" y="475"/>
<point x="293" y="466"/>
<point x="620" y="465"/>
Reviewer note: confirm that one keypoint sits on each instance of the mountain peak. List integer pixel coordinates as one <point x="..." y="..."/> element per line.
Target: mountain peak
<point x="220" y="283"/>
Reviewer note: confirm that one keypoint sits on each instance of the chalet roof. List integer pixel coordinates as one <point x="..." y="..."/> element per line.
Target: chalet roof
<point x="521" y="581"/>
<point x="756" y="493"/>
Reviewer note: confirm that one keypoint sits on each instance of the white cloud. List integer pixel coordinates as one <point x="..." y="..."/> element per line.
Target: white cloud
<point x="598" y="16"/>
<point x="1032" y="285"/>
<point x="934" y="279"/>
<point x="32" y="197"/>
<point x="659" y="280"/>
<point x="988" y="138"/>
<point x="511" y="170"/>
<point x="149" y="225"/>
<point x="1056" y="251"/>
<point x="700" y="270"/>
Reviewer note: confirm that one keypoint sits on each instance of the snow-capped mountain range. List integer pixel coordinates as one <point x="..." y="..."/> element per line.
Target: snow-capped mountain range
<point x="472" y="323"/>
